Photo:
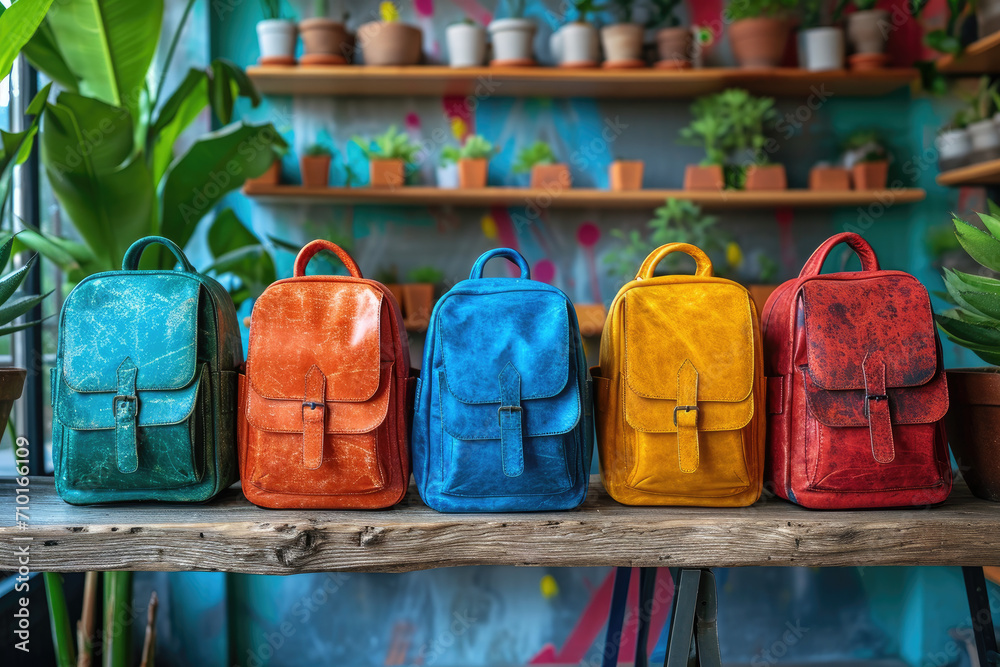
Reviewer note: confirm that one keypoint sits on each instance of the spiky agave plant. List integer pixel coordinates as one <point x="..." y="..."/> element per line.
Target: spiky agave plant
<point x="12" y="308"/>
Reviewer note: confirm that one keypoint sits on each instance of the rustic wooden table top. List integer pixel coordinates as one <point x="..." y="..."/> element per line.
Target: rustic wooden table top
<point x="232" y="535"/>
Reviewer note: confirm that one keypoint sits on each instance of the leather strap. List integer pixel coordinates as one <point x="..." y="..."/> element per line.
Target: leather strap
<point x="616" y="617"/>
<point x="507" y="253"/>
<point x="877" y="408"/>
<point x="869" y="262"/>
<point x="314" y="419"/>
<point x="686" y="417"/>
<point x="130" y="262"/>
<point x="509" y="416"/>
<point x="126" y="409"/>
<point x="702" y="263"/>
<point x="313" y="247"/>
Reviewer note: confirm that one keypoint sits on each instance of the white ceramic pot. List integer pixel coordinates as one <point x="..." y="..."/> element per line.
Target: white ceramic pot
<point x="447" y="176"/>
<point x="276" y="38"/>
<point x="953" y="148"/>
<point x="466" y="45"/>
<point x="985" y="140"/>
<point x="575" y="44"/>
<point x="821" y="49"/>
<point x="513" y="40"/>
<point x="867" y="30"/>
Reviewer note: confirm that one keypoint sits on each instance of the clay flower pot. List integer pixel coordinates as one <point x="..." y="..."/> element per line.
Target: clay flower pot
<point x="512" y="42"/>
<point x="698" y="177"/>
<point x="973" y="427"/>
<point x="472" y="172"/>
<point x="766" y="177"/>
<point x="626" y="175"/>
<point x="11" y="386"/>
<point x="551" y="177"/>
<point x="276" y="38"/>
<point x="760" y="294"/>
<point x="270" y="177"/>
<point x="829" y="179"/>
<point x="315" y="170"/>
<point x="419" y="300"/>
<point x="675" y="47"/>
<point x="388" y="44"/>
<point x="622" y="45"/>
<point x="387" y="173"/>
<point x="466" y="45"/>
<point x="759" y="42"/>
<point x="324" y="42"/>
<point x="870" y="175"/>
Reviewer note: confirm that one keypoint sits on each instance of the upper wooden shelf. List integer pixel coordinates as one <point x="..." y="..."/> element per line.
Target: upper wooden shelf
<point x="482" y="82"/>
<point x="984" y="173"/>
<point x="980" y="57"/>
<point x="577" y="197"/>
<point x="231" y="535"/>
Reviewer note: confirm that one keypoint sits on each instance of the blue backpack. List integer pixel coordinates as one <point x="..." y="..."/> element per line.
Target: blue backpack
<point x="503" y="419"/>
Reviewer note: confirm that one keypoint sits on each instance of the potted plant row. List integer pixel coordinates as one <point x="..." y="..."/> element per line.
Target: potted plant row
<point x="973" y="133"/>
<point x="546" y="172"/>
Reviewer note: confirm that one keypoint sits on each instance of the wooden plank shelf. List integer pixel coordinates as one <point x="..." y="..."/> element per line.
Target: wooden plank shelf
<point x="980" y="57"/>
<point x="231" y="535"/>
<point x="483" y="82"/>
<point x="983" y="173"/>
<point x="577" y="197"/>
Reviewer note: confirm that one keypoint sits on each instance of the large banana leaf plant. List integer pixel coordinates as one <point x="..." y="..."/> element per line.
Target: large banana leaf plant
<point x="108" y="141"/>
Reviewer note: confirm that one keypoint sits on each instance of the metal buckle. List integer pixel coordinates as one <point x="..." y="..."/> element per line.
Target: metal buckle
<point x="874" y="397"/>
<point x="133" y="404"/>
<point x="508" y="408"/>
<point x="685" y="408"/>
<point x="311" y="405"/>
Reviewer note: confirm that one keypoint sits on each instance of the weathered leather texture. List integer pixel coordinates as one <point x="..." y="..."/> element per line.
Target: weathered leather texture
<point x="502" y="420"/>
<point x="856" y="388"/>
<point x="678" y="391"/>
<point x="144" y="385"/>
<point x="323" y="412"/>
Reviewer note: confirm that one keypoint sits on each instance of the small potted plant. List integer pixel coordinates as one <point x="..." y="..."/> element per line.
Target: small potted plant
<point x="972" y="322"/>
<point x="418" y="295"/>
<point x="821" y="45"/>
<point x="275" y="35"/>
<point x="953" y="144"/>
<point x="625" y="175"/>
<point x="473" y="160"/>
<point x="752" y="117"/>
<point x="390" y="278"/>
<point x="324" y="41"/>
<point x="867" y="31"/>
<point x="983" y="134"/>
<point x="513" y="38"/>
<point x="269" y="178"/>
<point x="315" y="166"/>
<point x="674" y="43"/>
<point x="539" y="160"/>
<point x="622" y="41"/>
<point x="827" y="177"/>
<point x="389" y="157"/>
<point x="759" y="31"/>
<point x="466" y="44"/>
<point x="865" y="155"/>
<point x="576" y="45"/>
<point x="709" y="128"/>
<point x="389" y="42"/>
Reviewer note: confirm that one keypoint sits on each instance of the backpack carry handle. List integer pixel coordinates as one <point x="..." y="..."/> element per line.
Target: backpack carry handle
<point x="869" y="262"/>
<point x="507" y="253"/>
<point x="313" y="247"/>
<point x="703" y="265"/>
<point x="130" y="262"/>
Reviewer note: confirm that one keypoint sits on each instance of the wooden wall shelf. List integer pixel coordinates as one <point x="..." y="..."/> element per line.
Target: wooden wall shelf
<point x="577" y="197"/>
<point x="436" y="81"/>
<point x="980" y="57"/>
<point x="984" y="173"/>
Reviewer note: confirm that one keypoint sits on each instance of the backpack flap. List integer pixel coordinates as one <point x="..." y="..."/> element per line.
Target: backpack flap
<point x="871" y="356"/>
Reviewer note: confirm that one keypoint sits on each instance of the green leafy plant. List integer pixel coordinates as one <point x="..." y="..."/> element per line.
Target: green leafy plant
<point x="865" y="146"/>
<point x="426" y="274"/>
<point x="318" y="150"/>
<point x="320" y="8"/>
<point x="748" y="9"/>
<point x="533" y="155"/>
<point x="812" y="13"/>
<point x="623" y="10"/>
<point x="663" y="14"/>
<point x="959" y="120"/>
<point x="391" y="145"/>
<point x="108" y="143"/>
<point x="948" y="39"/>
<point x="272" y="9"/>
<point x="732" y="127"/>
<point x="864" y="5"/>
<point x="984" y="101"/>
<point x="476" y="147"/>
<point x="587" y="9"/>
<point x="17" y="24"/>
<point x="12" y="308"/>
<point x="973" y="321"/>
<point x="515" y="8"/>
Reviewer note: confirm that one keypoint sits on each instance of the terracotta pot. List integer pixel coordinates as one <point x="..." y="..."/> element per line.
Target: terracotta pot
<point x="315" y="170"/>
<point x="867" y="30"/>
<point x="270" y="177"/>
<point x="622" y="44"/>
<point x="766" y="177"/>
<point x="388" y="44"/>
<point x="759" y="42"/>
<point x="11" y="386"/>
<point x="551" y="177"/>
<point x="397" y="292"/>
<point x="626" y="175"/>
<point x="675" y="47"/>
<point x="387" y="173"/>
<point x="419" y="299"/>
<point x="867" y="62"/>
<point x="472" y="172"/>
<point x="870" y="175"/>
<point x="973" y="427"/>
<point x="760" y="294"/>
<point x="698" y="177"/>
<point x="324" y="42"/>
<point x="829" y="178"/>
<point x="591" y="317"/>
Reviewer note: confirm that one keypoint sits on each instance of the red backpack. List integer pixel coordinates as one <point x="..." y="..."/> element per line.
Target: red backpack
<point x="856" y="390"/>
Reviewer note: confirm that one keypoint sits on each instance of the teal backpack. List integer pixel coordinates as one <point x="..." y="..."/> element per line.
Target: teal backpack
<point x="144" y="386"/>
